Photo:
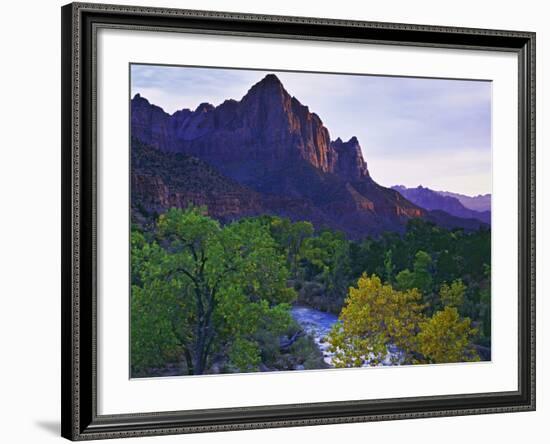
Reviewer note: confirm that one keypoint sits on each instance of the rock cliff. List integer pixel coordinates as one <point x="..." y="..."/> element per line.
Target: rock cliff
<point x="267" y="153"/>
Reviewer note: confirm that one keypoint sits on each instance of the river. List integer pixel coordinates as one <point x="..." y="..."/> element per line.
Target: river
<point x="318" y="324"/>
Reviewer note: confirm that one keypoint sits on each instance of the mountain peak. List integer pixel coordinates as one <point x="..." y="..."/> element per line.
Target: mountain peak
<point x="353" y="142"/>
<point x="139" y="98"/>
<point x="350" y="162"/>
<point x="267" y="124"/>
<point x="270" y="79"/>
<point x="270" y="83"/>
<point x="204" y="107"/>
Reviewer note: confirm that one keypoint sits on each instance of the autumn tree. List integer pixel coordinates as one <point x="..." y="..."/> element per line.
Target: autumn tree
<point x="445" y="337"/>
<point x="452" y="295"/>
<point x="374" y="317"/>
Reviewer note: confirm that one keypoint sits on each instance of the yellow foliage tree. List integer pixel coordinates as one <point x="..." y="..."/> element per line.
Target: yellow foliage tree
<point x="445" y="337"/>
<point x="374" y="317"/>
<point x="452" y="295"/>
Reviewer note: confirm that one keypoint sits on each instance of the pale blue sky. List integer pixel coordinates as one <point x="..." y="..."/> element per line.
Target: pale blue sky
<point x="413" y="131"/>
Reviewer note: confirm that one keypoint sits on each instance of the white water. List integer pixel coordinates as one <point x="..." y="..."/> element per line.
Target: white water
<point x="318" y="324"/>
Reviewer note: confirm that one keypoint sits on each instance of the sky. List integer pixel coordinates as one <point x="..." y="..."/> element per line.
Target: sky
<point x="412" y="131"/>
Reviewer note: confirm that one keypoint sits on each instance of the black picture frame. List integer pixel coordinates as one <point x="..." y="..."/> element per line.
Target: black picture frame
<point x="80" y="420"/>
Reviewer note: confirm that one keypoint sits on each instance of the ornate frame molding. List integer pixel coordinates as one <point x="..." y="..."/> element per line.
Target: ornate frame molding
<point x="79" y="395"/>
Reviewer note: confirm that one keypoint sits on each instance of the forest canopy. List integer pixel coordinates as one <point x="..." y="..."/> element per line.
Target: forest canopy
<point x="218" y="297"/>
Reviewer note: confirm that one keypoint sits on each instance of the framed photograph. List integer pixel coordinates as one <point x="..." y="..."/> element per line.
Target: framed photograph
<point x="280" y="221"/>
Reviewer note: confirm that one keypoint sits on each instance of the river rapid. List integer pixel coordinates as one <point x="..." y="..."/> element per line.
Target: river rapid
<point x="318" y="324"/>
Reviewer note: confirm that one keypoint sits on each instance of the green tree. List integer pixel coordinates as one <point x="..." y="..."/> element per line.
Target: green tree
<point x="328" y="256"/>
<point x="389" y="268"/>
<point x="154" y="307"/>
<point x="227" y="283"/>
<point x="291" y="237"/>
<point x="420" y="278"/>
<point x="405" y="280"/>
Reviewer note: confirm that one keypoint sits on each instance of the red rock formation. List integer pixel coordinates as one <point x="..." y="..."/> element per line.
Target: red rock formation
<point x="267" y="124"/>
<point x="269" y="154"/>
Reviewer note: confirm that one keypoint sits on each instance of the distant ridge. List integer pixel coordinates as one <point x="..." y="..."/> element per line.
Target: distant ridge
<point x="435" y="200"/>
<point x="481" y="202"/>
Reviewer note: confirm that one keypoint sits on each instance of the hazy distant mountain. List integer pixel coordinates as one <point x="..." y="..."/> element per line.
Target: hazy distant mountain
<point x="435" y="200"/>
<point x="481" y="202"/>
<point x="266" y="153"/>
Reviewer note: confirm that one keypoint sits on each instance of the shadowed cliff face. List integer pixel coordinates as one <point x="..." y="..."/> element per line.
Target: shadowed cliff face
<point x="267" y="125"/>
<point x="277" y="155"/>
